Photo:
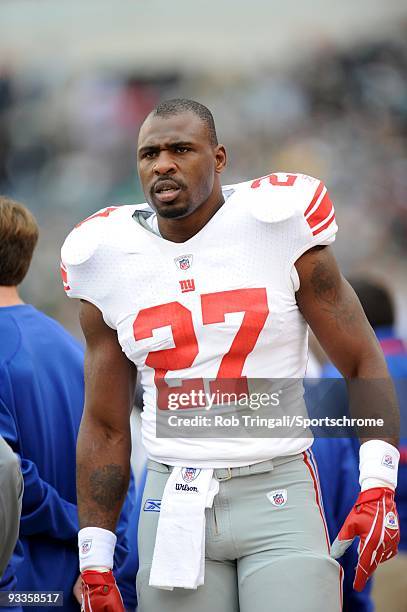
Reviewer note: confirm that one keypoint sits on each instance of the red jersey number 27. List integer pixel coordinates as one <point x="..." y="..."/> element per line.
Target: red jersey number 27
<point x="253" y="302"/>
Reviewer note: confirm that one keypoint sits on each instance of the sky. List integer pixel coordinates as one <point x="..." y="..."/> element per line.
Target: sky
<point x="158" y="34"/>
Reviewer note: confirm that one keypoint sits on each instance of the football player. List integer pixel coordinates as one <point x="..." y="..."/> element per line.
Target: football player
<point x="215" y="287"/>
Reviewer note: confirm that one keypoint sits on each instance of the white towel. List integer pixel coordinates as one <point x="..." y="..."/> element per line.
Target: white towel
<point x="179" y="552"/>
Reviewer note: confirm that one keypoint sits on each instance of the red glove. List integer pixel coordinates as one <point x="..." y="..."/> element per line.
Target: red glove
<point x="374" y="519"/>
<point x="100" y="592"/>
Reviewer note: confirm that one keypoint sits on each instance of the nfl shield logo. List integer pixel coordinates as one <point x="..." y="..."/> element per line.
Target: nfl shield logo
<point x="86" y="546"/>
<point x="184" y="262"/>
<point x="189" y="474"/>
<point x="391" y="521"/>
<point x="388" y="461"/>
<point x="278" y="498"/>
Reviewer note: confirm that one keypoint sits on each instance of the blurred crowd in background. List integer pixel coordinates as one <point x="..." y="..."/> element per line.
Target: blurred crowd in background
<point x="68" y="146"/>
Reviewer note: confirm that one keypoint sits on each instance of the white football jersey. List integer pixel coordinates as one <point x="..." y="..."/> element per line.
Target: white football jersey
<point x="220" y="305"/>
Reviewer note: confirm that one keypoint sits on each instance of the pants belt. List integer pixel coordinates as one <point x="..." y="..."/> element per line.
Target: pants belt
<point x="231" y="472"/>
<point x="222" y="473"/>
<point x="245" y="470"/>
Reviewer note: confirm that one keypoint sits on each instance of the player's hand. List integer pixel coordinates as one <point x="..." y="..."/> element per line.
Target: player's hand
<point x="374" y="519"/>
<point x="100" y="592"/>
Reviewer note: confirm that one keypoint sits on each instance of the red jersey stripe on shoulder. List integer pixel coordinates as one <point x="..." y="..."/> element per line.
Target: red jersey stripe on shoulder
<point x="323" y="227"/>
<point x="315" y="198"/>
<point x="64" y="276"/>
<point x="104" y="213"/>
<point x="322" y="212"/>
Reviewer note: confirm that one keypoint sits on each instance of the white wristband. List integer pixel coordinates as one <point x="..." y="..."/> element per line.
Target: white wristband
<point x="378" y="464"/>
<point x="96" y="548"/>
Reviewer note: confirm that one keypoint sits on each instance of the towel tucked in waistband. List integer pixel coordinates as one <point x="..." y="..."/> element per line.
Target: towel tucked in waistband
<point x="179" y="552"/>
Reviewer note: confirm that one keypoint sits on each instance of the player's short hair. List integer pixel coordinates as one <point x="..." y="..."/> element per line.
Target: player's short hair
<point x="376" y="301"/>
<point x="18" y="237"/>
<point x="177" y="106"/>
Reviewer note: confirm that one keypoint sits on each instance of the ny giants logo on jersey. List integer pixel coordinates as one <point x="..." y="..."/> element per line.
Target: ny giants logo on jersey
<point x="187" y="285"/>
<point x="183" y="262"/>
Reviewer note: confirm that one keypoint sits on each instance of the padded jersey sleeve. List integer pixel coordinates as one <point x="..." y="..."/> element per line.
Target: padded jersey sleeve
<point x="317" y="223"/>
<point x="80" y="254"/>
<point x="302" y="207"/>
<point x="300" y="198"/>
<point x="317" y="214"/>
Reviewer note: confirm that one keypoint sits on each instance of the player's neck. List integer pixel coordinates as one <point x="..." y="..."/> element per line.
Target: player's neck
<point x="180" y="230"/>
<point x="9" y="296"/>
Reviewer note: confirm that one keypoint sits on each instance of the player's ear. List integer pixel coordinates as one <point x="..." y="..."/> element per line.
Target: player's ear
<point x="220" y="158"/>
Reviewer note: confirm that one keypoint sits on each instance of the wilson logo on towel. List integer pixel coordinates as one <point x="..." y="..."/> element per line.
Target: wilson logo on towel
<point x="152" y="505"/>
<point x="185" y="487"/>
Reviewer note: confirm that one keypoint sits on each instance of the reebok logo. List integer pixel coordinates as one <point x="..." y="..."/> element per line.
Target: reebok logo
<point x="152" y="505"/>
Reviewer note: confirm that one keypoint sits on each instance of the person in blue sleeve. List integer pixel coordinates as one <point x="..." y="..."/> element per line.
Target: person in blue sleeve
<point x="127" y="572"/>
<point x="390" y="588"/>
<point x="339" y="477"/>
<point x="41" y="403"/>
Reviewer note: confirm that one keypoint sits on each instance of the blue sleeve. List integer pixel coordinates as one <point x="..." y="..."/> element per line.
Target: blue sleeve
<point x="123" y="545"/>
<point x="345" y="495"/>
<point x="338" y="472"/>
<point x="329" y="371"/>
<point x="126" y="575"/>
<point x="348" y="491"/>
<point x="44" y="510"/>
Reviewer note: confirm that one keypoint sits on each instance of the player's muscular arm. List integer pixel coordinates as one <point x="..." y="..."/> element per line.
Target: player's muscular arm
<point x="333" y="311"/>
<point x="104" y="442"/>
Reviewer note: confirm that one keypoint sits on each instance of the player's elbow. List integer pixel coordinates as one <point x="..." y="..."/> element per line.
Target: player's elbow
<point x="105" y="426"/>
<point x="366" y="363"/>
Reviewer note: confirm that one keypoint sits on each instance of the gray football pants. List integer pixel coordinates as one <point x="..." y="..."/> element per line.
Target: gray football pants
<point x="261" y="553"/>
<point x="11" y="493"/>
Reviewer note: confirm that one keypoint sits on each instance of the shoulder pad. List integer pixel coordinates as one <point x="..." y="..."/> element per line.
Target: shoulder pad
<point x="84" y="239"/>
<point x="280" y="196"/>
